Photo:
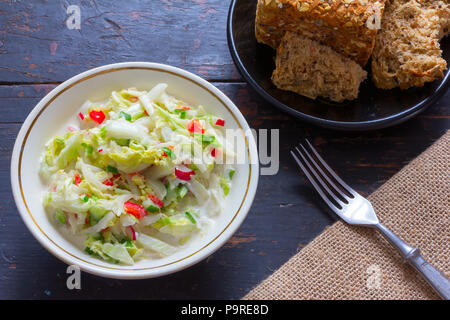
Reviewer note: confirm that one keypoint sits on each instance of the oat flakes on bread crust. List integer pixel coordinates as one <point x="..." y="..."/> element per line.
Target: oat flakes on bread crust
<point x="306" y="67"/>
<point x="348" y="26"/>
<point x="407" y="52"/>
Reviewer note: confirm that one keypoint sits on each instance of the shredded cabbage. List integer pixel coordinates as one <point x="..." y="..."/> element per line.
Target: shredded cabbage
<point x="140" y="178"/>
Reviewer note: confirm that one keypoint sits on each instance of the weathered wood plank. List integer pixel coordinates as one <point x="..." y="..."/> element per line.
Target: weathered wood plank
<point x="16" y="102"/>
<point x="37" y="46"/>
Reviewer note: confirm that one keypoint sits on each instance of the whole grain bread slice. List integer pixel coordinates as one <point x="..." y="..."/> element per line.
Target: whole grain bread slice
<point x="348" y="26"/>
<point x="407" y="51"/>
<point x="306" y="67"/>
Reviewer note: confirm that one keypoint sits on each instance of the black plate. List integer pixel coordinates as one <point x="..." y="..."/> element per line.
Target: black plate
<point x="374" y="109"/>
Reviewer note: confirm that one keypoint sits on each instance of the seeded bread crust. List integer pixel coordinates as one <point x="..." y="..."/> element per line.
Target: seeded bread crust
<point x="306" y="67"/>
<point x="407" y="52"/>
<point x="348" y="26"/>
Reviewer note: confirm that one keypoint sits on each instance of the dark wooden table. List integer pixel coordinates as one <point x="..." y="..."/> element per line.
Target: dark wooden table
<point x="38" y="51"/>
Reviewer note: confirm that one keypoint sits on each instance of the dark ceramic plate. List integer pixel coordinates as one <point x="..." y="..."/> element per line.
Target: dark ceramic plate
<point x="373" y="109"/>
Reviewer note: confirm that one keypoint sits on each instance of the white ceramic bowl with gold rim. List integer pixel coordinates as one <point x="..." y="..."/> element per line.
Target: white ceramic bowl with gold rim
<point x="61" y="105"/>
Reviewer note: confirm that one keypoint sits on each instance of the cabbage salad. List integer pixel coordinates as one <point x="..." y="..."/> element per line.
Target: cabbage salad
<point x="138" y="177"/>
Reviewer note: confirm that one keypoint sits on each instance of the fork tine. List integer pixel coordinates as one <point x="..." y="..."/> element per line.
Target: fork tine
<point x="330" y="171"/>
<point x="324" y="175"/>
<point x="313" y="182"/>
<point x="319" y="179"/>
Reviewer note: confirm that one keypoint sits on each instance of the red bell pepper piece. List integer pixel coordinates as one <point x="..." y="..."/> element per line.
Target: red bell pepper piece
<point x="195" y="126"/>
<point x="134" y="209"/>
<point x="220" y="122"/>
<point x="108" y="182"/>
<point x="155" y="200"/>
<point x="213" y="152"/>
<point x="77" y="179"/>
<point x="81" y="116"/>
<point x="115" y="176"/>
<point x="184" y="175"/>
<point x="97" y="115"/>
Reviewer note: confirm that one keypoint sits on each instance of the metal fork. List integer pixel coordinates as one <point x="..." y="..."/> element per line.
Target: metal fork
<point x="357" y="210"/>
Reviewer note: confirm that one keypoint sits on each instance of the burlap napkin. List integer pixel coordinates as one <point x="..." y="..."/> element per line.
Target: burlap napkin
<point x="347" y="262"/>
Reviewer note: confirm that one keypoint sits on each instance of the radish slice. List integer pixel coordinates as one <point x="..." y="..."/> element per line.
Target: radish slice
<point x="133" y="233"/>
<point x="184" y="175"/>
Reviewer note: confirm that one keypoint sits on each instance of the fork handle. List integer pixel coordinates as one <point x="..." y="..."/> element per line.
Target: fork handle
<point x="434" y="277"/>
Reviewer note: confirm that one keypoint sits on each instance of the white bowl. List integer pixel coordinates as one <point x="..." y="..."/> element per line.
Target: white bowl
<point x="61" y="105"/>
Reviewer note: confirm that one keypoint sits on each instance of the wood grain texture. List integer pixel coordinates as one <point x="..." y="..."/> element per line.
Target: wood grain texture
<point x="37" y="52"/>
<point x="37" y="46"/>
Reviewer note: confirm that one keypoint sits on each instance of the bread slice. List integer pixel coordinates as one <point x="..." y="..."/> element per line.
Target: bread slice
<point x="348" y="26"/>
<point x="407" y="51"/>
<point x="306" y="67"/>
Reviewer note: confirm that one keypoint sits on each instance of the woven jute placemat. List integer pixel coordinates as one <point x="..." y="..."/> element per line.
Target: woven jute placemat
<point x="347" y="262"/>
